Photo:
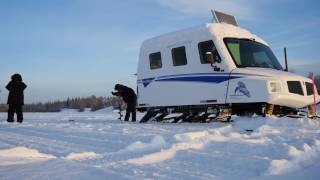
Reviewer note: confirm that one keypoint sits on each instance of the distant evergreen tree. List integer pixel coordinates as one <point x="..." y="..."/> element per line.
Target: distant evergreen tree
<point x="81" y="103"/>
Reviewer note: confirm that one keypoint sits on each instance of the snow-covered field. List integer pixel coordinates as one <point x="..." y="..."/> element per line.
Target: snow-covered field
<point x="72" y="145"/>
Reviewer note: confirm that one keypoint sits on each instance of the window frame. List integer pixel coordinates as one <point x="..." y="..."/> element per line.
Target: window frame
<point x="151" y="54"/>
<point x="173" y="56"/>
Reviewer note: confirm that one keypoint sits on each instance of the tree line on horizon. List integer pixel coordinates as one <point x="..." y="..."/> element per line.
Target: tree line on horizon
<point x="80" y="103"/>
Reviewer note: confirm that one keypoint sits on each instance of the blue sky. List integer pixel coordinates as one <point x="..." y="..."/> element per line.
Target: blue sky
<point x="67" y="48"/>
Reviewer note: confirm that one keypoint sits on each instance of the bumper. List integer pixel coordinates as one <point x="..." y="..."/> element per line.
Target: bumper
<point x="292" y="100"/>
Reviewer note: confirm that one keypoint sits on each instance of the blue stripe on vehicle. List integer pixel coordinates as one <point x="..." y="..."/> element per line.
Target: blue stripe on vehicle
<point x="196" y="77"/>
<point x="210" y="74"/>
<point x="201" y="79"/>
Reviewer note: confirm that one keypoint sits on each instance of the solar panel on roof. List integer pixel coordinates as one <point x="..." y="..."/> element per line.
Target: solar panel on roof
<point x="221" y="17"/>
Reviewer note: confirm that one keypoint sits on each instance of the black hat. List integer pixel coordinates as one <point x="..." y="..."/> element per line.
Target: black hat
<point x="117" y="87"/>
<point x="16" y="77"/>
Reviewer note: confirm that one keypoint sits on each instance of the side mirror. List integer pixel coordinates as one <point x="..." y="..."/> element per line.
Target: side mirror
<point x="213" y="59"/>
<point x="210" y="58"/>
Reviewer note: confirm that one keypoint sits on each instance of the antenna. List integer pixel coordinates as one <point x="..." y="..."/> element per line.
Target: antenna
<point x="221" y="17"/>
<point x="286" y="60"/>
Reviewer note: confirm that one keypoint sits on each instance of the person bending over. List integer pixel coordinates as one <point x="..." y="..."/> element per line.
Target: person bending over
<point x="129" y="96"/>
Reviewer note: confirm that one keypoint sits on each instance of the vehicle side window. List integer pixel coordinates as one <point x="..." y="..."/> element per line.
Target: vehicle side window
<point x="155" y="60"/>
<point x="179" y="56"/>
<point x="207" y="46"/>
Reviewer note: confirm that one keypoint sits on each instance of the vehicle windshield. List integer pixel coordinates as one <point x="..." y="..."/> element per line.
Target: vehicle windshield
<point x="249" y="53"/>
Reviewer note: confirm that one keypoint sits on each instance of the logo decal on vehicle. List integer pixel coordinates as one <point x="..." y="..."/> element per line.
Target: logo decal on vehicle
<point x="241" y="90"/>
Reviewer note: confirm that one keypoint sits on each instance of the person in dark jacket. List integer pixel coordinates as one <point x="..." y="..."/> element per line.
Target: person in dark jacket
<point x="129" y="96"/>
<point x="15" y="98"/>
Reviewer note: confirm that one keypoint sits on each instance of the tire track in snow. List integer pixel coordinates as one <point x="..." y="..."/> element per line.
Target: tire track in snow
<point x="50" y="140"/>
<point x="51" y="146"/>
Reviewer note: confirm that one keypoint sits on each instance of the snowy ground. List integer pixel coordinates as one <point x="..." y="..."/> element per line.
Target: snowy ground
<point x="72" y="145"/>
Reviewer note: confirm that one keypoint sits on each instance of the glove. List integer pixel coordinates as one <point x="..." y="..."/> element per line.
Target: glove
<point x="115" y="93"/>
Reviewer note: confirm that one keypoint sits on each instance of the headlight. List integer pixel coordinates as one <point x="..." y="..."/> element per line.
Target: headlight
<point x="274" y="87"/>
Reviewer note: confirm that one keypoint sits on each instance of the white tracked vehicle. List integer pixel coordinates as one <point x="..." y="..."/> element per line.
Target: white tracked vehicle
<point x="213" y="71"/>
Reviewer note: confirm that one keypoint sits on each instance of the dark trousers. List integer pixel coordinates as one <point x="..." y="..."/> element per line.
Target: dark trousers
<point x="131" y="109"/>
<point x="13" y="108"/>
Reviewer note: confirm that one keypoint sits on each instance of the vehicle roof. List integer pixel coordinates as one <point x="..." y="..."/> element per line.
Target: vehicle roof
<point x="216" y="29"/>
